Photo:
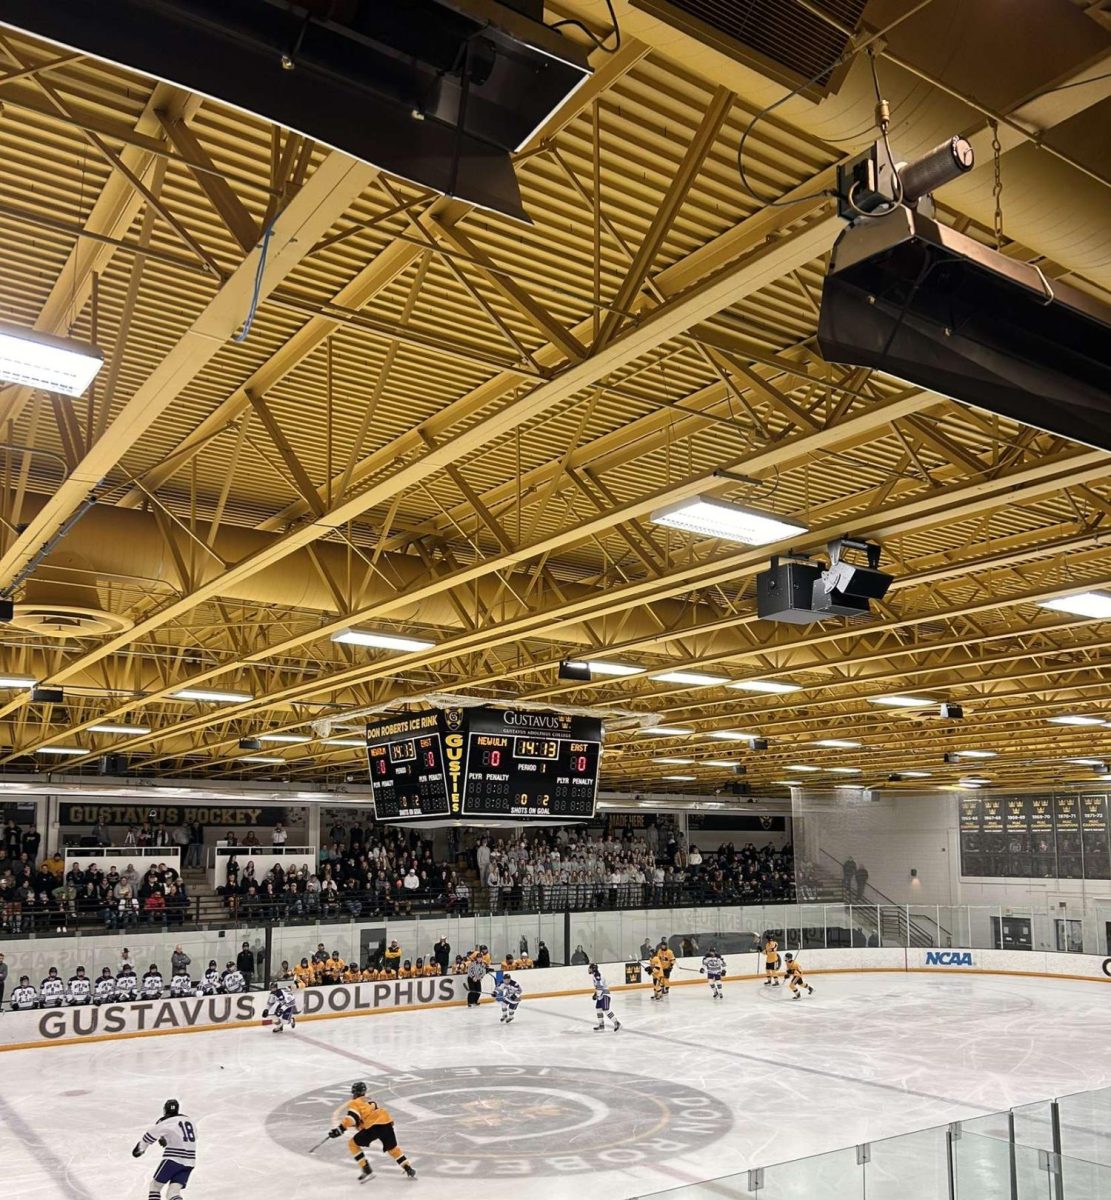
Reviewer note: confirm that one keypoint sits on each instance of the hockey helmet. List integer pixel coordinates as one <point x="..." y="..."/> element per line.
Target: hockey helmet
<point x="358" y="1089"/>
<point x="789" y="957"/>
<point x="171" y="1108"/>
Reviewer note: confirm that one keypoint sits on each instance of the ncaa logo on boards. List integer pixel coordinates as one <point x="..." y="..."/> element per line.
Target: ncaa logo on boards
<point x="519" y="1120"/>
<point x="948" y="958"/>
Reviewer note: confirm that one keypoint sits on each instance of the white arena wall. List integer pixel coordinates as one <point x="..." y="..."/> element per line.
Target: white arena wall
<point x="64" y="1026"/>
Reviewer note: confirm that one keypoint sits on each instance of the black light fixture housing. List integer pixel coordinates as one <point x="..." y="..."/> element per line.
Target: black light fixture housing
<point x="578" y="671"/>
<point x="47" y="695"/>
<point x="910" y="296"/>
<point x="440" y="92"/>
<point x="250" y="743"/>
<point x="7" y="610"/>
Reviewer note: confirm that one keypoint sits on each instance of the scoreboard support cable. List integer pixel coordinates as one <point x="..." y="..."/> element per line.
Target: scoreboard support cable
<point x="484" y="764"/>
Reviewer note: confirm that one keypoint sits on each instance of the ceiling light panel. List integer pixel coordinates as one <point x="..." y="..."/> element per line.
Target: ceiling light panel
<point x="1083" y="604"/>
<point x="772" y="686"/>
<point x="709" y="517"/>
<point x="601" y="667"/>
<point x="381" y="641"/>
<point x="692" y="678"/>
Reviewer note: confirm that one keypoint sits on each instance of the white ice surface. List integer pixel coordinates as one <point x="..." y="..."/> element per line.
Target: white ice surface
<point x="865" y="1058"/>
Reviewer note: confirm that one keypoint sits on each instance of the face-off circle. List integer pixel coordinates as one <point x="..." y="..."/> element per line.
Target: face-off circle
<point x="521" y="1120"/>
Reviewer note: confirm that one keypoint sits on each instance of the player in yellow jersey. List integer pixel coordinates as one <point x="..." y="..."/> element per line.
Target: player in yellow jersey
<point x="795" y="980"/>
<point x="659" y="979"/>
<point x="371" y="1123"/>
<point x="771" y="961"/>
<point x="667" y="961"/>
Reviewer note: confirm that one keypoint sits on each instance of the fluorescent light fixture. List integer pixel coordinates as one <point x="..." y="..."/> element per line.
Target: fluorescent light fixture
<point x="915" y="774"/>
<point x="837" y="744"/>
<point x="674" y="762"/>
<point x="730" y="735"/>
<point x="260" y="758"/>
<point x="206" y="694"/>
<point x="713" y="518"/>
<point x="772" y="686"/>
<point x="1083" y="604"/>
<point x="666" y="730"/>
<point x="695" y="678"/>
<point x="61" y="751"/>
<point x="1086" y="762"/>
<point x="718" y="762"/>
<point x="600" y="667"/>
<point x="359" y="742"/>
<point x="977" y="754"/>
<point x="381" y="641"/>
<point x="788" y="783"/>
<point x="16" y="681"/>
<point x="801" y="767"/>
<point x="291" y="738"/>
<point x="974" y="780"/>
<point x="1077" y="720"/>
<point x="129" y="729"/>
<point x="902" y="701"/>
<point x="843" y="770"/>
<point x="679" y="778"/>
<point x="54" y="364"/>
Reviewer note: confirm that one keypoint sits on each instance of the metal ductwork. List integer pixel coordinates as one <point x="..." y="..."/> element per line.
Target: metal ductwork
<point x="115" y="545"/>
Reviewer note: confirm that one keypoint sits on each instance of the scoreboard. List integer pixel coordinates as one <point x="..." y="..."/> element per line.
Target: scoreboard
<point x="484" y="764"/>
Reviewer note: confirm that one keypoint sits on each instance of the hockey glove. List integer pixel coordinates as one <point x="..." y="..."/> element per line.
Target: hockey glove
<point x="334" y="1133"/>
<point x="137" y="1152"/>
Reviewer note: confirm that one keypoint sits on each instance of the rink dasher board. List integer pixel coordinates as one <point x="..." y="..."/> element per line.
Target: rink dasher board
<point x="67" y="1026"/>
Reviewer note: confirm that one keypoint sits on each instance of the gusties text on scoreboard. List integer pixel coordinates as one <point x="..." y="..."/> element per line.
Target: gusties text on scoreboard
<point x="485" y="764"/>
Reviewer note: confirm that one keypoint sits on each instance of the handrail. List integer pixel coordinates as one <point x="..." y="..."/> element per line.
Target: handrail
<point x="893" y="903"/>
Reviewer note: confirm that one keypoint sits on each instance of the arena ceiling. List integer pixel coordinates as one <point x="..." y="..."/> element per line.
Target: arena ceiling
<point x="450" y="426"/>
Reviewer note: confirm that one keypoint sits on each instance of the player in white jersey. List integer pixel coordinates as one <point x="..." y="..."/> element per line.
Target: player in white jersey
<point x="210" y="982"/>
<point x="127" y="984"/>
<point x="24" y="997"/>
<point x="153" y="983"/>
<point x="181" y="984"/>
<point x="713" y="967"/>
<point x="511" y="992"/>
<point x="281" y="1008"/>
<point x="53" y="990"/>
<point x="177" y="1136"/>
<point x="231" y="980"/>
<point x="601" y="999"/>
<point x="104" y="991"/>
<point x="79" y="990"/>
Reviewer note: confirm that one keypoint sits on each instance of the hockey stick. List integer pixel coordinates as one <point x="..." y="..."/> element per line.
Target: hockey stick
<point x="325" y="1138"/>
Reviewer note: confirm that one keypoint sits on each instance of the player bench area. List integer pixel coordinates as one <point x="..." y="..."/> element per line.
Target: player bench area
<point x="20" y="1030"/>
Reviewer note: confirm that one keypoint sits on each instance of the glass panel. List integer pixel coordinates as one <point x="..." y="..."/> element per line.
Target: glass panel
<point x="1033" y="1125"/>
<point x="835" y="1176"/>
<point x="981" y="1165"/>
<point x="915" y="1164"/>
<point x="892" y="925"/>
<point x="812" y="919"/>
<point x="925" y="929"/>
<point x="1082" y="1180"/>
<point x="1086" y="1125"/>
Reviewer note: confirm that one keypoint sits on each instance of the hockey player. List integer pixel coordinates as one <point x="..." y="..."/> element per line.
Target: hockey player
<point x="79" y="990"/>
<point x="52" y="990"/>
<point x="771" y="961"/>
<point x="667" y="961"/>
<point x="105" y="990"/>
<point x="371" y="1123"/>
<point x="510" y="997"/>
<point x="231" y="979"/>
<point x="127" y="983"/>
<point x="713" y="967"/>
<point x="177" y="1136"/>
<point x="210" y="981"/>
<point x="659" y="980"/>
<point x="24" y="997"/>
<point x="152" y="983"/>
<point x="601" y="999"/>
<point x="795" y="980"/>
<point x="181" y="984"/>
<point x="281" y="1008"/>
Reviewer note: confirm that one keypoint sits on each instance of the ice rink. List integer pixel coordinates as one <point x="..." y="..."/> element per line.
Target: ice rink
<point x="689" y="1090"/>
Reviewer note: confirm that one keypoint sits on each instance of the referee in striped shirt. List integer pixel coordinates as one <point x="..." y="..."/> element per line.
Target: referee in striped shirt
<point x="476" y="972"/>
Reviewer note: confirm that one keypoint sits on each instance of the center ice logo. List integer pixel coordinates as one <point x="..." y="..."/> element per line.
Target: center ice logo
<point x="513" y="1120"/>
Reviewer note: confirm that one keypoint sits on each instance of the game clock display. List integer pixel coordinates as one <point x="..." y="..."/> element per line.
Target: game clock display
<point x="485" y="764"/>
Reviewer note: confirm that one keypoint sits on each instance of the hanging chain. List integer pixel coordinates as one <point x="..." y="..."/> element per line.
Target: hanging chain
<point x="997" y="187"/>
